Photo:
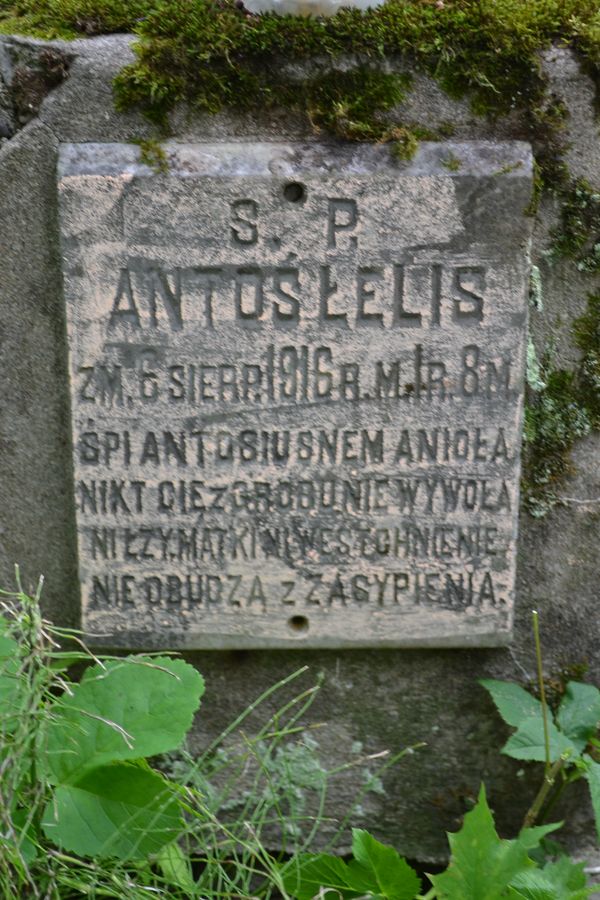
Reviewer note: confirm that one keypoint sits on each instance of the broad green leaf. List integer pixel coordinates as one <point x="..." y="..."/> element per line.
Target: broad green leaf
<point x="579" y="713"/>
<point x="530" y="838"/>
<point x="561" y="880"/>
<point x="534" y="885"/>
<point x="11" y="684"/>
<point x="513" y="702"/>
<point x="565" y="873"/>
<point x="125" y="709"/>
<point x="593" y="779"/>
<point x="121" y="811"/>
<point x="528" y="742"/>
<point x="482" y="865"/>
<point x="376" y="871"/>
<point x="25" y="835"/>
<point x="519" y="709"/>
<point x="8" y="647"/>
<point x="176" y="867"/>
<point x="307" y="875"/>
<point x="391" y="875"/>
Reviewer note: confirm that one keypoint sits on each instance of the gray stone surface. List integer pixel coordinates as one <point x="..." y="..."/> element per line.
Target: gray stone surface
<point x="36" y="496"/>
<point x="385" y="698"/>
<point x="297" y="379"/>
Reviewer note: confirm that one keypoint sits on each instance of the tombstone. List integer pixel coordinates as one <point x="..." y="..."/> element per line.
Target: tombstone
<point x="296" y="385"/>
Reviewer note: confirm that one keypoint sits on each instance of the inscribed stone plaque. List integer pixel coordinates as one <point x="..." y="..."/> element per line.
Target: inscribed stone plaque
<point x="297" y="378"/>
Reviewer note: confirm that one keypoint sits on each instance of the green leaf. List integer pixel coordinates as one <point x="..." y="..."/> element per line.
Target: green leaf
<point x="121" y="810"/>
<point x="579" y="713"/>
<point x="592" y="775"/>
<point x="307" y="875"/>
<point x="11" y="684"/>
<point x="567" y="874"/>
<point x="528" y="742"/>
<point x="387" y="870"/>
<point x="561" y="880"/>
<point x="530" y="838"/>
<point x="513" y="702"/>
<point x="482" y="865"/>
<point x="533" y="885"/>
<point x="25" y="835"/>
<point x="124" y="709"/>
<point x="176" y="867"/>
<point x="377" y="871"/>
<point x="8" y="647"/>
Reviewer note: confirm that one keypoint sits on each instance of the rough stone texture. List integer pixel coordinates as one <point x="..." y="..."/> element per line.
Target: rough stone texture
<point x="213" y="308"/>
<point x="386" y="698"/>
<point x="35" y="492"/>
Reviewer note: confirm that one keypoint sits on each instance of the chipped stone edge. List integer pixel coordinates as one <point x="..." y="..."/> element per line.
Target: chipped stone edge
<point x="453" y="159"/>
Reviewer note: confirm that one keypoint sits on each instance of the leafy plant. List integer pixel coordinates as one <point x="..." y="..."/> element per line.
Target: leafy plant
<point x="374" y="871"/>
<point x="567" y="743"/>
<point x="72" y="756"/>
<point x="92" y="743"/>
<point x="83" y="814"/>
<point x="482" y="867"/>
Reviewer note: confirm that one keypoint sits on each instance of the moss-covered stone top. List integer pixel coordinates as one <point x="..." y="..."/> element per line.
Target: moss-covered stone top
<point x="214" y="55"/>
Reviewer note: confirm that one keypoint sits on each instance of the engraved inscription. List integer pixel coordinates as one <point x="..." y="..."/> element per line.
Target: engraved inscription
<point x="295" y="398"/>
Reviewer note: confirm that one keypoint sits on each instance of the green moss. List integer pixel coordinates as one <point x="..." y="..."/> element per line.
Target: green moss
<point x="544" y="126"/>
<point x="343" y="103"/>
<point x="405" y="144"/>
<point x="71" y="18"/>
<point x="452" y="163"/>
<point x="564" y="408"/>
<point x="587" y="41"/>
<point x="538" y="189"/>
<point x="152" y="154"/>
<point x="586" y="330"/>
<point x="553" y="421"/>
<point x="215" y="56"/>
<point x="578" y="235"/>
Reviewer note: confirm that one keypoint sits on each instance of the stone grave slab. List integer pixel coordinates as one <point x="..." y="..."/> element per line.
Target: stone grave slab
<point x="296" y="382"/>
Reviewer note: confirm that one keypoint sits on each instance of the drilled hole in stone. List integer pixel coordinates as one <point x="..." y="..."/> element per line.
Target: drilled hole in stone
<point x="294" y="192"/>
<point x="298" y="624"/>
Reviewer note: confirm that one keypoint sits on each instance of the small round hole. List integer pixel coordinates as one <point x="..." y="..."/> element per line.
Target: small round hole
<point x="298" y="624"/>
<point x="294" y="192"/>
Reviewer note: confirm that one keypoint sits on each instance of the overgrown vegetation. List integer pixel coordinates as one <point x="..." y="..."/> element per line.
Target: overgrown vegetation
<point x="564" y="405"/>
<point x="567" y="743"/>
<point x="578" y="235"/>
<point x="152" y="154"/>
<point x="72" y="18"/>
<point x="84" y="814"/>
